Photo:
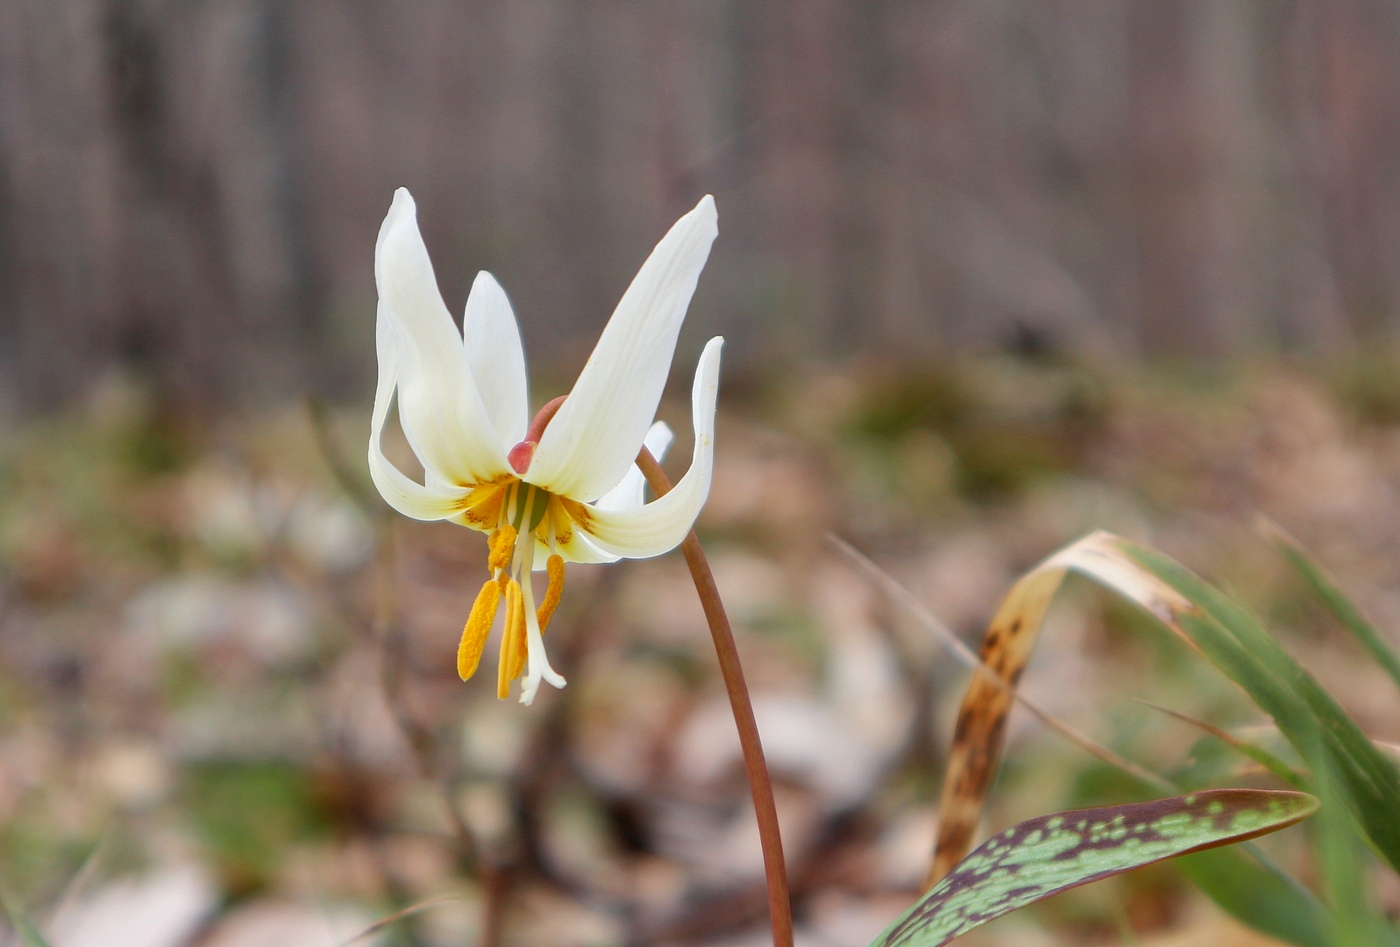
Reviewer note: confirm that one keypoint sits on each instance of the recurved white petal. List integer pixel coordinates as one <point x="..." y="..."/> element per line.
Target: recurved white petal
<point x="440" y="408"/>
<point x="628" y="494"/>
<point x="591" y="442"/>
<point x="401" y="492"/>
<point x="663" y="523"/>
<point x="566" y="539"/>
<point x="577" y="549"/>
<point x="492" y="341"/>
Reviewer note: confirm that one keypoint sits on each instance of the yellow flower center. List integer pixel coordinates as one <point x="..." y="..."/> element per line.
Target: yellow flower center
<point x="514" y="511"/>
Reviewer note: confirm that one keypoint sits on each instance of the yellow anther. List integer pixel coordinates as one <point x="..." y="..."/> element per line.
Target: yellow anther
<point x="477" y="629"/>
<point x="512" y="641"/>
<point x="502" y="547"/>
<point x="522" y="651"/>
<point x="554" y="593"/>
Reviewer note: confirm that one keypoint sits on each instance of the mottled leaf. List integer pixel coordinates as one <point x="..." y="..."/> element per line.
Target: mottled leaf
<point x="1174" y="598"/>
<point x="1046" y="855"/>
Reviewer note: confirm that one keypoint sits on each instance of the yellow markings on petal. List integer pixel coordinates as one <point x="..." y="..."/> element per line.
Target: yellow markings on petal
<point x="502" y="547"/>
<point x="555" y="523"/>
<point x="554" y="593"/>
<point x="580" y="513"/>
<point x="482" y="506"/>
<point x="512" y="641"/>
<point x="477" y="629"/>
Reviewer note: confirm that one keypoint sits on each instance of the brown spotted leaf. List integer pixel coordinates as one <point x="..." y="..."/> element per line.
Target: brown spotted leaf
<point x="1046" y="855"/>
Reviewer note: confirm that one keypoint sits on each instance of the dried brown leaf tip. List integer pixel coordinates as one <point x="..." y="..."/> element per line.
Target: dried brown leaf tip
<point x="980" y="732"/>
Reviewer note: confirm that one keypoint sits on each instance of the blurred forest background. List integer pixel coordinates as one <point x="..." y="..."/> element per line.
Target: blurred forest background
<point x="191" y="189"/>
<point x="993" y="273"/>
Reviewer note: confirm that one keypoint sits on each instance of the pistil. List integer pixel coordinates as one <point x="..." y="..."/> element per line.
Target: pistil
<point x="521" y="454"/>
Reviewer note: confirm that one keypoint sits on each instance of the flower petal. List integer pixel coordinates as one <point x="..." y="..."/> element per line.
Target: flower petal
<point x="628" y="494"/>
<point x="663" y="523"/>
<point x="402" y="493"/>
<point x="577" y="549"/>
<point x="492" y="341"/>
<point x="565" y="538"/>
<point x="588" y="446"/>
<point x="440" y="408"/>
<point x="572" y="543"/>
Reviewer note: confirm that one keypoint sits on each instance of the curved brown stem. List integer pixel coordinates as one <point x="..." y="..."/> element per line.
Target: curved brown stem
<point x="766" y="812"/>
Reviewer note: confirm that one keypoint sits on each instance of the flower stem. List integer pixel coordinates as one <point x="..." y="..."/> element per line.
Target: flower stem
<point x="766" y="813"/>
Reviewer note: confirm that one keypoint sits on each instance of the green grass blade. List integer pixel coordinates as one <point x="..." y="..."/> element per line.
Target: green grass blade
<point x="1302" y="708"/>
<point x="29" y="935"/>
<point x="1273" y="764"/>
<point x="1255" y="892"/>
<point x="1048" y="854"/>
<point x="1342" y="607"/>
<point x="1341" y="866"/>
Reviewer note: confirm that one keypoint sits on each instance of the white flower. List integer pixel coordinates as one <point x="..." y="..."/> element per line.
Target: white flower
<point x="566" y="482"/>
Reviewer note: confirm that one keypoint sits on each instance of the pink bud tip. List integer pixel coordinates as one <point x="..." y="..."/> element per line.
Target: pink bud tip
<point x="520" y="456"/>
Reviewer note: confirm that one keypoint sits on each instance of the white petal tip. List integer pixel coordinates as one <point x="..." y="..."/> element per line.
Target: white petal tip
<point x="402" y="215"/>
<point x="704" y="213"/>
<point x="487" y="291"/>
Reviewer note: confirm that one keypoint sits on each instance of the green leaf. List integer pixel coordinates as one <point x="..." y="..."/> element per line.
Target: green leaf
<point x="29" y="935"/>
<point x="1258" y="754"/>
<point x="1256" y="892"/>
<point x="1048" y="854"/>
<point x="1305" y="712"/>
<point x="1341" y="607"/>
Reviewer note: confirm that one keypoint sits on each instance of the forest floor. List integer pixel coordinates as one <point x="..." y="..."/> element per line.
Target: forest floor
<point x="230" y="716"/>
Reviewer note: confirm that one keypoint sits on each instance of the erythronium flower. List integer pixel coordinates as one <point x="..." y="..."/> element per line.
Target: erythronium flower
<point x="563" y="487"/>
